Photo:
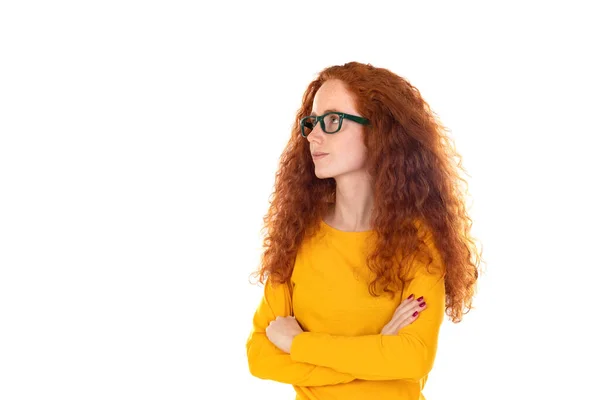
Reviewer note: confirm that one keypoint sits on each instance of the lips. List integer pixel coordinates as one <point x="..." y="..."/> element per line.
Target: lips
<point x="318" y="153"/>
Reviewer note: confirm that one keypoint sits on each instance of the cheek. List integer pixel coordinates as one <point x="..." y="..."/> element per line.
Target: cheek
<point x="355" y="156"/>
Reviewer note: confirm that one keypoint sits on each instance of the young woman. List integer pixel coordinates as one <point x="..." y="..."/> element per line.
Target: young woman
<point x="368" y="243"/>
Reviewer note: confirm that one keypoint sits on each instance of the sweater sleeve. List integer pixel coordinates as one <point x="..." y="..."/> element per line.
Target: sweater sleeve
<point x="408" y="355"/>
<point x="266" y="361"/>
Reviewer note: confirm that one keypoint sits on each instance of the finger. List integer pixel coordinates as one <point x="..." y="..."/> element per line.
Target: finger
<point x="412" y="313"/>
<point x="411" y="300"/>
<point x="398" y="325"/>
<point x="409" y="310"/>
<point x="408" y="300"/>
<point x="406" y="315"/>
<point x="407" y="307"/>
<point x="408" y="320"/>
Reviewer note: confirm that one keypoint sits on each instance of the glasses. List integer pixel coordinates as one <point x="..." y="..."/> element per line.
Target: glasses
<point x="331" y="122"/>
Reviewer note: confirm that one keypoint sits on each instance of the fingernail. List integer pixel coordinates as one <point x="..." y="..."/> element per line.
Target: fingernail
<point x="411" y="296"/>
<point x="415" y="313"/>
<point x="422" y="304"/>
<point x="420" y="298"/>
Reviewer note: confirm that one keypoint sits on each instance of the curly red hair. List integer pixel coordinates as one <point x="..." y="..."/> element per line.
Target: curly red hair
<point x="411" y="160"/>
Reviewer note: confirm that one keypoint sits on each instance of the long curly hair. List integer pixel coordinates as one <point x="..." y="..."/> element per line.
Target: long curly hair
<point x="415" y="171"/>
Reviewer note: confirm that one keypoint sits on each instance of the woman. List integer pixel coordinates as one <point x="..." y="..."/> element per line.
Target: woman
<point x="367" y="243"/>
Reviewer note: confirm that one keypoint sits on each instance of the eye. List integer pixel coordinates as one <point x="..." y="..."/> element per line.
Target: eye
<point x="332" y="118"/>
<point x="332" y="123"/>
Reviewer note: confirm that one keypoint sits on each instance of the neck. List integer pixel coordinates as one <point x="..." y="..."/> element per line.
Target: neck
<point x="353" y="204"/>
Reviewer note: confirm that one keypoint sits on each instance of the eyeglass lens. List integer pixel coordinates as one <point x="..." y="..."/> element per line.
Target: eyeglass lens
<point x="331" y="121"/>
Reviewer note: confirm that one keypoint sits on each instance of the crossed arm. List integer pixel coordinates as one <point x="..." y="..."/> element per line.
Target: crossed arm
<point x="266" y="361"/>
<point x="318" y="359"/>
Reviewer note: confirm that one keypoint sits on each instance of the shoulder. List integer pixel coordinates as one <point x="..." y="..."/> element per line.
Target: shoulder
<point x="428" y="254"/>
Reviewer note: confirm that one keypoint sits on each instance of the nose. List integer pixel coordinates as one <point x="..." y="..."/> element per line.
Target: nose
<point x="316" y="134"/>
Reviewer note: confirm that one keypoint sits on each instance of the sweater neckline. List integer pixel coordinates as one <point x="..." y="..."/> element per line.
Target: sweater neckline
<point x="340" y="232"/>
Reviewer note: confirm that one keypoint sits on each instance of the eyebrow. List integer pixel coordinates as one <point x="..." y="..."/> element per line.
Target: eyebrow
<point x="325" y="112"/>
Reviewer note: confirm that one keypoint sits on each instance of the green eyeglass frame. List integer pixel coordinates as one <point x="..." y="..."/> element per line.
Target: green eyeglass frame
<point x="342" y="116"/>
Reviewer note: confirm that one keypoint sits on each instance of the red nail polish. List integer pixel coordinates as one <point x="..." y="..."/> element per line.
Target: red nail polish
<point x="415" y="313"/>
<point x="411" y="296"/>
<point x="422" y="304"/>
<point x="420" y="298"/>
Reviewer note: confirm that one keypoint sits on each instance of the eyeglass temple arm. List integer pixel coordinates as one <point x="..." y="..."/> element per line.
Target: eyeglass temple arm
<point x="354" y="118"/>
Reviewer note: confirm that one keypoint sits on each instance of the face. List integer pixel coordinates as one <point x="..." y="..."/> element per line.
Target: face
<point x="347" y="153"/>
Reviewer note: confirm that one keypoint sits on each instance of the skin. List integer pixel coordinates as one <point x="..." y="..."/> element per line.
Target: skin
<point x="346" y="163"/>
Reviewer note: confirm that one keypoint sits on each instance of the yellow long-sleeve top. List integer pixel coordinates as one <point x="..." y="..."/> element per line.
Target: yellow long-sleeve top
<point x="341" y="354"/>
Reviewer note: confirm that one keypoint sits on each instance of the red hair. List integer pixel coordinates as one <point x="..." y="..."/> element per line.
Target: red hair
<point x="411" y="160"/>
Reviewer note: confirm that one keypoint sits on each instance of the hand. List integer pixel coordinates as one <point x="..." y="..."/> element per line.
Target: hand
<point x="404" y="315"/>
<point x="281" y="331"/>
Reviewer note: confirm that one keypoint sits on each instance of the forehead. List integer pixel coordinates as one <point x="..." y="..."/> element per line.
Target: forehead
<point x="333" y="95"/>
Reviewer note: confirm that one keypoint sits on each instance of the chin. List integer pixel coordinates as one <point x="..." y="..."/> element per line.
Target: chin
<point x="321" y="175"/>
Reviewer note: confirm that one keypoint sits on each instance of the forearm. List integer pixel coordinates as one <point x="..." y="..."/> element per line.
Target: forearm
<point x="370" y="357"/>
<point x="266" y="361"/>
<point x="408" y="355"/>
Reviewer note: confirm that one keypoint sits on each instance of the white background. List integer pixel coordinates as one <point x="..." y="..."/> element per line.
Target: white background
<point x="138" y="147"/>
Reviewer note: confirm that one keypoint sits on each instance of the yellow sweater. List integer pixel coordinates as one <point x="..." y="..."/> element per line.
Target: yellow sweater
<point x="341" y="354"/>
